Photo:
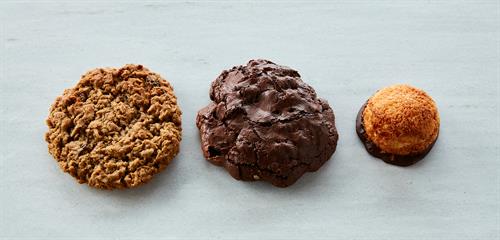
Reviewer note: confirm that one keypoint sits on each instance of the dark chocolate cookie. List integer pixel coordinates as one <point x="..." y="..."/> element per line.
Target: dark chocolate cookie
<point x="265" y="123"/>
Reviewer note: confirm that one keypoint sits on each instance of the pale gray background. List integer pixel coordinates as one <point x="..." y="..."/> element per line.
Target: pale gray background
<point x="346" y="50"/>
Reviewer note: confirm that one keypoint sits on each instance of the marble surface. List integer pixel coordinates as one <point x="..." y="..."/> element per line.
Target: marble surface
<point x="345" y="49"/>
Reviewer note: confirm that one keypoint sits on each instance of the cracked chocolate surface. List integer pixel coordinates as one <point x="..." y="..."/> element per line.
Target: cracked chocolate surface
<point x="265" y="123"/>
<point x="116" y="128"/>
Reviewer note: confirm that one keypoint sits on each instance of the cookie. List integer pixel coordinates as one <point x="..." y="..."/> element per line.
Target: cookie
<point x="265" y="123"/>
<point x="116" y="128"/>
<point x="399" y="124"/>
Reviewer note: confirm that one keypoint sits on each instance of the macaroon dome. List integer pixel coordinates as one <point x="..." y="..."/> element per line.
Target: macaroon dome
<point x="401" y="120"/>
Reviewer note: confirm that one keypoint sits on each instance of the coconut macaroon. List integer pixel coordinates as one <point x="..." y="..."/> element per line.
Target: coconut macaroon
<point x="398" y="124"/>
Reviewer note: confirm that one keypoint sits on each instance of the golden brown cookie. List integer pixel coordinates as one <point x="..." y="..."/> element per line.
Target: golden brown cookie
<point x="116" y="128"/>
<point x="399" y="124"/>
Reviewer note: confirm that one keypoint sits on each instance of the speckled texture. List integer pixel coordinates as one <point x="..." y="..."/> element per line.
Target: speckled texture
<point x="265" y="123"/>
<point x="116" y="128"/>
<point x="401" y="120"/>
<point x="398" y="124"/>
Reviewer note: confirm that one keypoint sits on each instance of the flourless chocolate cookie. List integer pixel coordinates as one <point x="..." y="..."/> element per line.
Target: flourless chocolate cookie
<point x="265" y="123"/>
<point x="116" y="128"/>
<point x="399" y="124"/>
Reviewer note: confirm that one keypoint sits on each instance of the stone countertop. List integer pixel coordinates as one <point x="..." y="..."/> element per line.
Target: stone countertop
<point x="345" y="50"/>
